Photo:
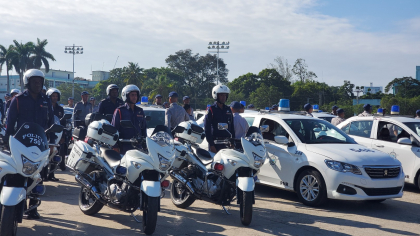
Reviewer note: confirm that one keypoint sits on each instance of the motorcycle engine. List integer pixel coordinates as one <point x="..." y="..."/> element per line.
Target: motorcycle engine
<point x="116" y="192"/>
<point x="211" y="187"/>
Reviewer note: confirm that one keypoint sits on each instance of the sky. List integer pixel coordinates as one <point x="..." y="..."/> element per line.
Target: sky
<point x="357" y="40"/>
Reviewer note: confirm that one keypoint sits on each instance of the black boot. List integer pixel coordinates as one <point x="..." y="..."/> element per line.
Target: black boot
<point x="52" y="177"/>
<point x="63" y="163"/>
<point x="33" y="214"/>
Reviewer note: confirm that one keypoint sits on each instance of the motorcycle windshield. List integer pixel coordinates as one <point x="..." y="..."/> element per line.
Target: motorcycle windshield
<point x="31" y="134"/>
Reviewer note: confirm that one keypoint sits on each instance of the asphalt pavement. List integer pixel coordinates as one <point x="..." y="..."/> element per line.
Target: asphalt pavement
<point x="276" y="212"/>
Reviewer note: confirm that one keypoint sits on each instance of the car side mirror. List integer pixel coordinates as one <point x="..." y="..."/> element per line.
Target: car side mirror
<point x="126" y="124"/>
<point x="222" y="126"/>
<point x="264" y="128"/>
<point x="404" y="141"/>
<point x="280" y="139"/>
<point x="148" y="118"/>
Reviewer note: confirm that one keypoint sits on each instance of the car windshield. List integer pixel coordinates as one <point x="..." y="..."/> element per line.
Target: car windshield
<point x="317" y="131"/>
<point x="157" y="118"/>
<point x="414" y="126"/>
<point x="326" y="118"/>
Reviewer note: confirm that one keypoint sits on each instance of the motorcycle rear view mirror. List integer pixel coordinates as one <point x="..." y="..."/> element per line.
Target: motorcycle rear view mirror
<point x="126" y="124"/>
<point x="222" y="126"/>
<point x="54" y="129"/>
<point x="66" y="117"/>
<point x="280" y="139"/>
<point x="148" y="118"/>
<point x="264" y="128"/>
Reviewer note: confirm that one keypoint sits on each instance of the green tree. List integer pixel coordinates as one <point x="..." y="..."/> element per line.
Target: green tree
<point x="282" y="66"/>
<point x="271" y="77"/>
<point x="300" y="69"/>
<point x="133" y="74"/>
<point x="265" y="96"/>
<point x="404" y="87"/>
<point x="40" y="56"/>
<point x="160" y="85"/>
<point x="66" y="91"/>
<point x="5" y="58"/>
<point x="20" y="56"/>
<point x="245" y="84"/>
<point x="115" y="77"/>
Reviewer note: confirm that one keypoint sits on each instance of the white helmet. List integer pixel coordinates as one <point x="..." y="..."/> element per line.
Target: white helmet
<point x="54" y="90"/>
<point x="111" y="87"/>
<point x="14" y="91"/>
<point x="33" y="73"/>
<point x="127" y="90"/>
<point x="220" y="89"/>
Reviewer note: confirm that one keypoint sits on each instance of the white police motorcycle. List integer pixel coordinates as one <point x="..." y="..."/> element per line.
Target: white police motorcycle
<point x="19" y="173"/>
<point x="124" y="183"/>
<point x="220" y="179"/>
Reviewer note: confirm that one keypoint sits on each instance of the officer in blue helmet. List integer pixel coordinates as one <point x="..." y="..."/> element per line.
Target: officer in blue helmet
<point x="418" y="114"/>
<point x="308" y="109"/>
<point x="367" y="110"/>
<point x="158" y="100"/>
<point x="334" y="110"/>
<point x="129" y="111"/>
<point x="340" y="117"/>
<point x="108" y="105"/>
<point x="251" y="107"/>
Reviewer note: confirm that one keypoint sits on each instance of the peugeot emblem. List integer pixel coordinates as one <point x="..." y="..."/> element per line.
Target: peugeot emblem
<point x="385" y="172"/>
<point x="26" y="126"/>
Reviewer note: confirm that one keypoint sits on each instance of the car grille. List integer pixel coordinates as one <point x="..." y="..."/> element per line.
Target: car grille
<point x="381" y="191"/>
<point x="382" y="172"/>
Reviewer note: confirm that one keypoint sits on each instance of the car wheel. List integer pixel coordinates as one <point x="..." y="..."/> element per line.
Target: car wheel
<point x="311" y="188"/>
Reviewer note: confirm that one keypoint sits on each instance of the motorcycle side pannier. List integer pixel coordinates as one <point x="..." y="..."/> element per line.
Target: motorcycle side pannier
<point x="79" y="158"/>
<point x="103" y="132"/>
<point x="79" y="133"/>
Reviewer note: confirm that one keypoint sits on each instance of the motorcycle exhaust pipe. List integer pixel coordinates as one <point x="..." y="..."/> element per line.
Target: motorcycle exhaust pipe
<point x="86" y="183"/>
<point x="183" y="181"/>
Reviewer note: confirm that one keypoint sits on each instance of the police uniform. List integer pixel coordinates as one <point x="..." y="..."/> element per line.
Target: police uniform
<point x="58" y="111"/>
<point x="364" y="114"/>
<point x="174" y="115"/>
<point x="86" y="109"/>
<point x="107" y="107"/>
<point x="214" y="116"/>
<point x="138" y="119"/>
<point x="337" y="120"/>
<point x="309" y="114"/>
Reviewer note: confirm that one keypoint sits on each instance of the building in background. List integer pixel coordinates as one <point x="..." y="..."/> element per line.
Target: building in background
<point x="371" y="89"/>
<point x="418" y="72"/>
<point x="100" y="75"/>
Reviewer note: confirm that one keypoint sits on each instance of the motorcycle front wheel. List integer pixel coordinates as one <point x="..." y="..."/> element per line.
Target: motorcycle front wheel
<point x="8" y="222"/>
<point x="180" y="195"/>
<point x="87" y="202"/>
<point x="150" y="212"/>
<point x="246" y="208"/>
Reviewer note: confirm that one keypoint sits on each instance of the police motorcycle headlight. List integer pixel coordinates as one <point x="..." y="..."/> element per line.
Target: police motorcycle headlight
<point x="256" y="139"/>
<point x="164" y="163"/>
<point x="69" y="126"/>
<point x="258" y="161"/>
<point x="163" y="139"/>
<point x="343" y="167"/>
<point x="29" y="167"/>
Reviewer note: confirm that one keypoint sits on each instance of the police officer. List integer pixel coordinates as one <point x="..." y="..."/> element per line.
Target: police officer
<point x="175" y="114"/>
<point x="158" y="100"/>
<point x="70" y="102"/>
<point x="340" y="117"/>
<point x="251" y="107"/>
<point x="94" y="108"/>
<point x="109" y="104"/>
<point x="83" y="105"/>
<point x="334" y="110"/>
<point x="308" y="109"/>
<point x="187" y="100"/>
<point x="240" y="124"/>
<point x="1" y="110"/>
<point x="13" y="93"/>
<point x="30" y="106"/>
<point x="129" y="111"/>
<point x="418" y="114"/>
<point x="218" y="113"/>
<point x="367" y="110"/>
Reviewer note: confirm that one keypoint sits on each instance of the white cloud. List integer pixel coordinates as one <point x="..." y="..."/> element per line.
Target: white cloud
<point x="148" y="31"/>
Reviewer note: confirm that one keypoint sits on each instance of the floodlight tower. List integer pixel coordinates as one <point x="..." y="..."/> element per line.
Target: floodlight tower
<point x="73" y="50"/>
<point x="218" y="46"/>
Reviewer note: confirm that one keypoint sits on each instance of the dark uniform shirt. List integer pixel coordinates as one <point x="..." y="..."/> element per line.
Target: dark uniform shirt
<point x="137" y="118"/>
<point x="24" y="108"/>
<point x="214" y="116"/>
<point x="107" y="107"/>
<point x="58" y="111"/>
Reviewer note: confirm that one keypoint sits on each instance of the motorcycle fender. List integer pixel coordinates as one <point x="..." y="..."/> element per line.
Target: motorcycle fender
<point x="245" y="184"/>
<point x="6" y="168"/>
<point x="11" y="196"/>
<point x="151" y="188"/>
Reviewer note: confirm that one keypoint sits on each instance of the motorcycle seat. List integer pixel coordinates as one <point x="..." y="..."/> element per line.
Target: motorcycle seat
<point x="112" y="157"/>
<point x="203" y="155"/>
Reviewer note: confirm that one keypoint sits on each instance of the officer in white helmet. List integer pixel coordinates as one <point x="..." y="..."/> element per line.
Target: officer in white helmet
<point x="30" y="106"/>
<point x="109" y="104"/>
<point x="218" y="113"/>
<point x="129" y="111"/>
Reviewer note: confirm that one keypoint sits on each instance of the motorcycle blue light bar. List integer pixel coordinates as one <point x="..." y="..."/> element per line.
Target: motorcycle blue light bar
<point x="395" y="110"/>
<point x="284" y="105"/>
<point x="56" y="159"/>
<point x="121" y="170"/>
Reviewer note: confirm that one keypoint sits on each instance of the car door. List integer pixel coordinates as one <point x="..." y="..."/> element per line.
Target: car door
<point x="361" y="131"/>
<point x="277" y="170"/>
<point x="404" y="153"/>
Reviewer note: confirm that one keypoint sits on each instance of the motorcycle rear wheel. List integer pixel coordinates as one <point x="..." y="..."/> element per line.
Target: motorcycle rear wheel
<point x="150" y="213"/>
<point x="8" y="222"/>
<point x="180" y="196"/>
<point x="246" y="208"/>
<point x="87" y="203"/>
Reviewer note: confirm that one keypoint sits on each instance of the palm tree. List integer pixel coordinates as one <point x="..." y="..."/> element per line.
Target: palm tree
<point x="20" y="56"/>
<point x="5" y="59"/>
<point x="40" y="56"/>
<point x="160" y="85"/>
<point x="133" y="74"/>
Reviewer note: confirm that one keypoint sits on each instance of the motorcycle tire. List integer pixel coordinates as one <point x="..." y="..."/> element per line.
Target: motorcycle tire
<point x="8" y="222"/>
<point x="84" y="203"/>
<point x="181" y="201"/>
<point x="245" y="206"/>
<point x="150" y="213"/>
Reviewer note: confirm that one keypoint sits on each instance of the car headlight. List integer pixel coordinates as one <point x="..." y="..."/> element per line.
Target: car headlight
<point x="164" y="163"/>
<point x="163" y="139"/>
<point x="343" y="167"/>
<point x="29" y="167"/>
<point x="258" y="161"/>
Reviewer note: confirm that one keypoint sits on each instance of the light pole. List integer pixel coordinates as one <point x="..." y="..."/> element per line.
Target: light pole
<point x="218" y="46"/>
<point x="357" y="91"/>
<point x="73" y="50"/>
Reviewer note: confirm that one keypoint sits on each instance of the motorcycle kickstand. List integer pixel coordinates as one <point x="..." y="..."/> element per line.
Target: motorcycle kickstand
<point x="137" y="220"/>
<point x="227" y="212"/>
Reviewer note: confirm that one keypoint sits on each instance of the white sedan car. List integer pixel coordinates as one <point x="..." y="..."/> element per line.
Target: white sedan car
<point x="318" y="161"/>
<point x="157" y="117"/>
<point x="397" y="136"/>
<point x="323" y="115"/>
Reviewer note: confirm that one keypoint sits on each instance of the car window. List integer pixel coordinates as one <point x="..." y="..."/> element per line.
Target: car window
<point x="326" y="118"/>
<point x="313" y="131"/>
<point x="360" y="128"/>
<point x="158" y="118"/>
<point x="346" y="129"/>
<point x="414" y="126"/>
<point x="275" y="129"/>
<point x="250" y="120"/>
<point x="391" y="132"/>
